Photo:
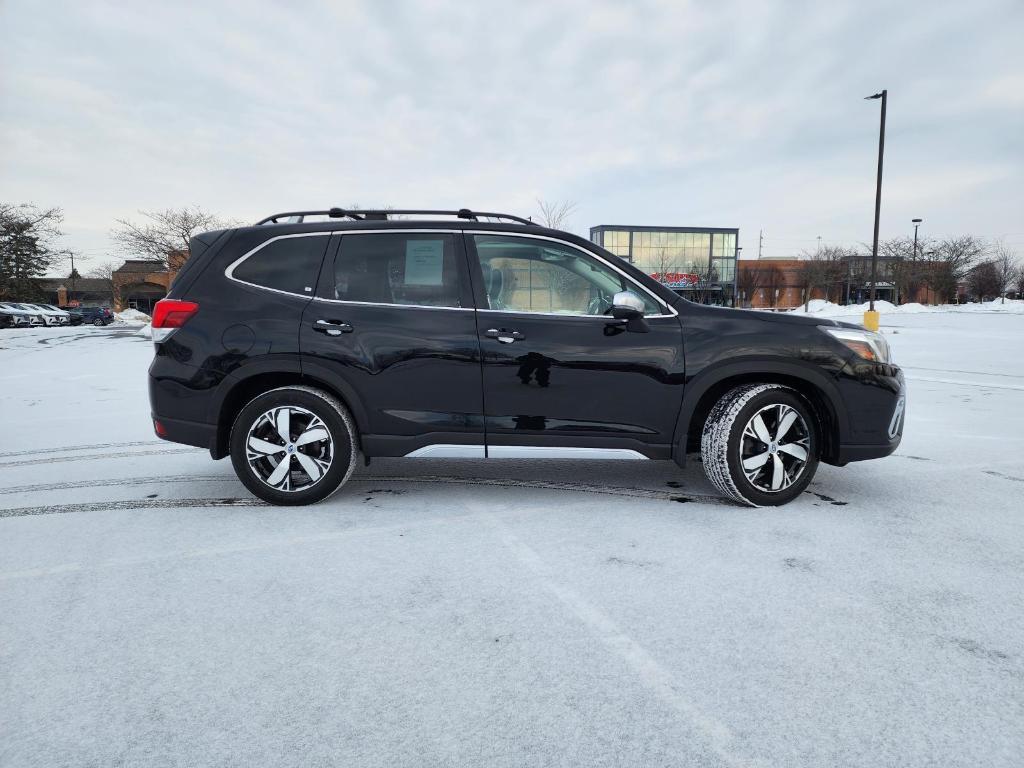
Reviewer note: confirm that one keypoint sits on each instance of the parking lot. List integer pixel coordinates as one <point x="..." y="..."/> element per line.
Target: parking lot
<point x="509" y="613"/>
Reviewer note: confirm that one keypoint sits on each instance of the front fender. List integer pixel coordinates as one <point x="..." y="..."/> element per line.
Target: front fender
<point x="796" y="373"/>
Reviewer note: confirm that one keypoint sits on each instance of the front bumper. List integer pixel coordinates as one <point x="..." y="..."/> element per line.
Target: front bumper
<point x="876" y="398"/>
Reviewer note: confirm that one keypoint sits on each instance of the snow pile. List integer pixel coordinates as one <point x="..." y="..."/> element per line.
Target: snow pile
<point x="132" y="317"/>
<point x="829" y="309"/>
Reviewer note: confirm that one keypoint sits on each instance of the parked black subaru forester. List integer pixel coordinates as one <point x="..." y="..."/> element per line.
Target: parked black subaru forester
<point x="294" y="346"/>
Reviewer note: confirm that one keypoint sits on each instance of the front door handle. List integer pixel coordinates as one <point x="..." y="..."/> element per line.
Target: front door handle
<point x="332" y="327"/>
<point x="504" y="335"/>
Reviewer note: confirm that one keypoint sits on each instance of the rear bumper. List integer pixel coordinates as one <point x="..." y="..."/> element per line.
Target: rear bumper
<point x="185" y="432"/>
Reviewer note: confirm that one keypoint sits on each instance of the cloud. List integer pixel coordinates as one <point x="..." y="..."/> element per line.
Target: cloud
<point x="734" y="114"/>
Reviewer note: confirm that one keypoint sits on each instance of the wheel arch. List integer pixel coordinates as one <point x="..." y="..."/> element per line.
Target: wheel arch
<point x="239" y="391"/>
<point x="704" y="390"/>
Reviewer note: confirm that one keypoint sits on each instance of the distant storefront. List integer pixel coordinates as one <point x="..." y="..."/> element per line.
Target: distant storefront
<point x="136" y="284"/>
<point x="697" y="262"/>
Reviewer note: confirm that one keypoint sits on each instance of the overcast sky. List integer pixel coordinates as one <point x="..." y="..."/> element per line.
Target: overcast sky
<point x="747" y="114"/>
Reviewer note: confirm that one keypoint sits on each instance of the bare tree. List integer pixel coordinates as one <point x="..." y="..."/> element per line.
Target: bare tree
<point x="773" y="281"/>
<point x="555" y="215"/>
<point x="749" y="278"/>
<point x="983" y="280"/>
<point x="1005" y="262"/>
<point x="824" y="269"/>
<point x="666" y="263"/>
<point x="105" y="271"/>
<point x="165" y="232"/>
<point x="906" y="267"/>
<point x="950" y="262"/>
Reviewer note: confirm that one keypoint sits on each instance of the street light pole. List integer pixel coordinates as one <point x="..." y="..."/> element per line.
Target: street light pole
<point x="871" y="317"/>
<point x="913" y="260"/>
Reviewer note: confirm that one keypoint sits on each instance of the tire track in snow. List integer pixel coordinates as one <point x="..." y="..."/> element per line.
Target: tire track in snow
<point x="94" y="456"/>
<point x="628" y="492"/>
<point x="104" y="506"/>
<point x="73" y="448"/>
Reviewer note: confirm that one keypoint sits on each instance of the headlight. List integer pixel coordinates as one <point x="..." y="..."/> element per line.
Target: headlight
<point x="868" y="344"/>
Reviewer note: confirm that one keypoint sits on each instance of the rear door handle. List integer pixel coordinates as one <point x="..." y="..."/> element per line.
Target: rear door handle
<point x="332" y="327"/>
<point x="504" y="335"/>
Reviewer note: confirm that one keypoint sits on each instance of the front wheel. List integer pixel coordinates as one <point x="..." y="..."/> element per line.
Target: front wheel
<point x="760" y="444"/>
<point x="293" y="445"/>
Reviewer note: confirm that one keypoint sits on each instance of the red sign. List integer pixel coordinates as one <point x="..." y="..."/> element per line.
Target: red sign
<point x="677" y="279"/>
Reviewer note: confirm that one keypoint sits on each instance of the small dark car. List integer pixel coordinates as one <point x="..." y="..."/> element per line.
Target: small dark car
<point x="294" y="346"/>
<point x="91" y="315"/>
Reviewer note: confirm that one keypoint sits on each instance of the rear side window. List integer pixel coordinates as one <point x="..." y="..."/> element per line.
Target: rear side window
<point x="412" y="269"/>
<point x="290" y="264"/>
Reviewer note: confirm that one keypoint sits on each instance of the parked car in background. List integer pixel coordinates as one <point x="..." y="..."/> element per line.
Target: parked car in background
<point x="51" y="315"/>
<point x="10" y="319"/>
<point x="23" y="316"/>
<point x="93" y="315"/>
<point x="74" y="318"/>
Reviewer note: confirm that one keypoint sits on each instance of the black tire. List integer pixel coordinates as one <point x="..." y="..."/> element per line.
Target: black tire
<point x="98" y="323"/>
<point x="252" y="422"/>
<point x="725" y="441"/>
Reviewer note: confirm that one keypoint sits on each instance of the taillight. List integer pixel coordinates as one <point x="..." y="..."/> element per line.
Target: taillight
<point x="169" y="314"/>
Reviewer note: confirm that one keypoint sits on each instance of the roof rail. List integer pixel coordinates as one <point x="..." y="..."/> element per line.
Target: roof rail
<point x="382" y="214"/>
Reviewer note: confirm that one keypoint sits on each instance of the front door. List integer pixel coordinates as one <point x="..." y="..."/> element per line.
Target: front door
<point x="392" y="326"/>
<point x="558" y="371"/>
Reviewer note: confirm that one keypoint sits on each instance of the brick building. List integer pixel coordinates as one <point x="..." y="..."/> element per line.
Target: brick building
<point x="780" y="284"/>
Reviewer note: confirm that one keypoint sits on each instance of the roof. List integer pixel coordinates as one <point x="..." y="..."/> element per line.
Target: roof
<point x="142" y="266"/>
<point x="89" y="284"/>
<point x="644" y="228"/>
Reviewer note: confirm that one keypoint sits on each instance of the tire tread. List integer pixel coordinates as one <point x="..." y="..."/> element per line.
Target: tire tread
<point x="714" y="441"/>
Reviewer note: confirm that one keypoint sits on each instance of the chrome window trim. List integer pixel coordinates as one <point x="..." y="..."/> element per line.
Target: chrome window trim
<point x="391" y="304"/>
<point x="584" y="251"/>
<point x="229" y="272"/>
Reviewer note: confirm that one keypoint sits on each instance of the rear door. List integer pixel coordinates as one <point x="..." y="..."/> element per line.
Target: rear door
<point x="392" y="326"/>
<point x="558" y="371"/>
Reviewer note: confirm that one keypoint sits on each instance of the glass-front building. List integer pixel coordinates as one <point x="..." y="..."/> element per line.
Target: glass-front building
<point x="699" y="263"/>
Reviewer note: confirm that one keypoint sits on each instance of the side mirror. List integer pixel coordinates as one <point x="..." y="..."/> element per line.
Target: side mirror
<point x="627" y="306"/>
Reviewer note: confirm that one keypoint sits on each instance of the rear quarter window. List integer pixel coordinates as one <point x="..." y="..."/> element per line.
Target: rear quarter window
<point x="290" y="264"/>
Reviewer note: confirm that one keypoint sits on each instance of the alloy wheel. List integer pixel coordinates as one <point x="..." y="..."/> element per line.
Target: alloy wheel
<point x="774" y="448"/>
<point x="289" y="448"/>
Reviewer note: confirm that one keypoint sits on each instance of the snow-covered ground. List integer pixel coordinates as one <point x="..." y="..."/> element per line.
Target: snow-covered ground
<point x="509" y="614"/>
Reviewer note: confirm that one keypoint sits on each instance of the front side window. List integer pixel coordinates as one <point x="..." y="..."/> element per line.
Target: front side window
<point x="412" y="269"/>
<point x="290" y="264"/>
<point x="527" y="275"/>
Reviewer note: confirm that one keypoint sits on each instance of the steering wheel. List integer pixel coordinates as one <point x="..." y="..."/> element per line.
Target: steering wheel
<point x="599" y="305"/>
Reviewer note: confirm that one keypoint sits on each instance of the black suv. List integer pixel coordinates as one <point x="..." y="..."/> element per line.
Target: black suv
<point x="294" y="346"/>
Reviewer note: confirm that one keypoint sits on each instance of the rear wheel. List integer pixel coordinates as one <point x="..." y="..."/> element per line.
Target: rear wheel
<point x="293" y="446"/>
<point x="98" y="322"/>
<point x="760" y="444"/>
